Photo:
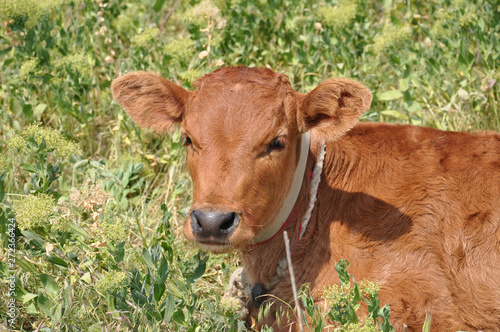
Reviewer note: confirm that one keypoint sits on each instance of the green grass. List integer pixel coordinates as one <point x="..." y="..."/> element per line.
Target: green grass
<point x="99" y="242"/>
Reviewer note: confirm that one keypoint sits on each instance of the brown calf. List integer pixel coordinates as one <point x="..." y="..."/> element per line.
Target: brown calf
<point x="415" y="209"/>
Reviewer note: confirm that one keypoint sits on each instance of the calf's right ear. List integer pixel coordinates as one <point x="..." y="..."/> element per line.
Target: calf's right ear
<point x="150" y="100"/>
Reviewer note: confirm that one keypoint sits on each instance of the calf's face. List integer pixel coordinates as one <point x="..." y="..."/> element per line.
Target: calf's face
<point x="242" y="130"/>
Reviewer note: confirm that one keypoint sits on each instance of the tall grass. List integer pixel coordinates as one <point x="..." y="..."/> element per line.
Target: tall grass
<point x="98" y="203"/>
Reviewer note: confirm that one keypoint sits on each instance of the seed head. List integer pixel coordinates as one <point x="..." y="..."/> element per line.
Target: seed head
<point x="112" y="282"/>
<point x="34" y="211"/>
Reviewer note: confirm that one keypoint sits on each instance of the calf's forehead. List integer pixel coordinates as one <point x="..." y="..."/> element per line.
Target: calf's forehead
<point x="238" y="108"/>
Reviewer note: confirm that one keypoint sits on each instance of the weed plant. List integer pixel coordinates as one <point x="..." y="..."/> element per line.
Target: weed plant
<point x="98" y="203"/>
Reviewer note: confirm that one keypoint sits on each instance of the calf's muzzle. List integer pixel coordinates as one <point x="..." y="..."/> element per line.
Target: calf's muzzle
<point x="212" y="226"/>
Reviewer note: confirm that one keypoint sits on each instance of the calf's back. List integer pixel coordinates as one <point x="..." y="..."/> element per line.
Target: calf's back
<point x="418" y="210"/>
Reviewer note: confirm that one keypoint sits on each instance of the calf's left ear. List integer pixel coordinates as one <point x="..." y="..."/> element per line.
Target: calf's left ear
<point x="333" y="108"/>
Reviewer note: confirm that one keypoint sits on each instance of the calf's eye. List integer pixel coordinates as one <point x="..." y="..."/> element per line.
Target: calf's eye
<point x="276" y="144"/>
<point x="186" y="140"/>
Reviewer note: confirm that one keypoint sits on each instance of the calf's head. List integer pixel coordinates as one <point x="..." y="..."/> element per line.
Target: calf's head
<point x="242" y="130"/>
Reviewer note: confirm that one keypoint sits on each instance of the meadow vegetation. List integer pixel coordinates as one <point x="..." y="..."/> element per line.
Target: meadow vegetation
<point x="98" y="203"/>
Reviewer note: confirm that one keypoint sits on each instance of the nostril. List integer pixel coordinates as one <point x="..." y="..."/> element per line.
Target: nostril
<point x="212" y="225"/>
<point x="195" y="221"/>
<point x="231" y="218"/>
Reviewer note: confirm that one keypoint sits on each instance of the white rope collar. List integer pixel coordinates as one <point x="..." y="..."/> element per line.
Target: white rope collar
<point x="290" y="200"/>
<point x="316" y="178"/>
<point x="258" y="290"/>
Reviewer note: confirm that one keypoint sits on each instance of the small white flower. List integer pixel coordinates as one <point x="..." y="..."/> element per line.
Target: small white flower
<point x="48" y="248"/>
<point x="203" y="54"/>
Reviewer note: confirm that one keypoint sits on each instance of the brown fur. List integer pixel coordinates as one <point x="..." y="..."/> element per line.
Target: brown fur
<point x="415" y="209"/>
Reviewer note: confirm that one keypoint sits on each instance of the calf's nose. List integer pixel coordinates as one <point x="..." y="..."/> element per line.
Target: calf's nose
<point x="211" y="226"/>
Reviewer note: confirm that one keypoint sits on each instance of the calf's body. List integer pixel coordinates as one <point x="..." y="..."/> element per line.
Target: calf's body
<point x="415" y="209"/>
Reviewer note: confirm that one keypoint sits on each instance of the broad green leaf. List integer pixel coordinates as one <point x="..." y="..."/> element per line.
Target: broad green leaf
<point x="29" y="168"/>
<point x="341" y="268"/>
<point x="387" y="7"/>
<point x="411" y="105"/>
<point x="57" y="260"/>
<point x="4" y="52"/>
<point x="39" y="109"/>
<point x="31" y="236"/>
<point x="119" y="252"/>
<point x="26" y="266"/>
<point x="159" y="288"/>
<point x="76" y="230"/>
<point x="66" y="296"/>
<point x="2" y="186"/>
<point x="57" y="311"/>
<point x="158" y="4"/>
<point x="395" y="114"/>
<point x="31" y="308"/>
<point x="200" y="269"/>
<point x="463" y="94"/>
<point x="28" y="111"/>
<point x="169" y="307"/>
<point x="179" y="317"/>
<point x="28" y="297"/>
<point x="45" y="304"/>
<point x="414" y="107"/>
<point x="357" y="293"/>
<point x="177" y="291"/>
<point x="385" y="314"/>
<point x="49" y="284"/>
<point x="87" y="278"/>
<point x="139" y="298"/>
<point x="16" y="106"/>
<point x="163" y="268"/>
<point x="407" y="71"/>
<point x="147" y="259"/>
<point x="389" y="95"/>
<point x="403" y="84"/>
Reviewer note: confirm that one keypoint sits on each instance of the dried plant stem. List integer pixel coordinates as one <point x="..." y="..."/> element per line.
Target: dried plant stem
<point x="174" y="7"/>
<point x="292" y="279"/>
